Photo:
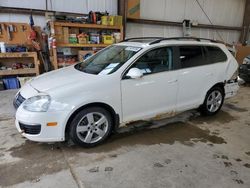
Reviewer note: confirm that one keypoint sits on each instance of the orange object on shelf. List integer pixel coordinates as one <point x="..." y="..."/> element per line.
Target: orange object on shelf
<point x="82" y="38"/>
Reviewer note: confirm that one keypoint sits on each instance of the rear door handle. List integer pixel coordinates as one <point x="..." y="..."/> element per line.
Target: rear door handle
<point x="172" y="81"/>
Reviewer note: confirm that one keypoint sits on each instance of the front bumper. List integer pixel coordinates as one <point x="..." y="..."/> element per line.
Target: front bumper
<point x="27" y="123"/>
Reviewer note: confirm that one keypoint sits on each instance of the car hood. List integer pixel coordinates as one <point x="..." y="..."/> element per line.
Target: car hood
<point x="60" y="78"/>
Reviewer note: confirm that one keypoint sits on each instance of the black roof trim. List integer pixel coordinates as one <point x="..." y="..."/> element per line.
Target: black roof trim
<point x="160" y="39"/>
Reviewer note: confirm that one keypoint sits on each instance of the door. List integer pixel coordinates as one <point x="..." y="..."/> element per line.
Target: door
<point x="156" y="91"/>
<point x="195" y="76"/>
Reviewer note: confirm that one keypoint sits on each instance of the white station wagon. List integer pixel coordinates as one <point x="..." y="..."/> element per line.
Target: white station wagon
<point x="137" y="79"/>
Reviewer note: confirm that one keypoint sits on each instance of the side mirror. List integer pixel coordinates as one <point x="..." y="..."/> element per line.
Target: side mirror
<point x="134" y="73"/>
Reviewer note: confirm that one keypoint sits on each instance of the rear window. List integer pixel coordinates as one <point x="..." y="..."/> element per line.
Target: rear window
<point x="192" y="56"/>
<point x="215" y="54"/>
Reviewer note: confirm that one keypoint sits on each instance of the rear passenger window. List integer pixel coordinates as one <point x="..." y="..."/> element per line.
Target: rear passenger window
<point x="192" y="56"/>
<point x="215" y="54"/>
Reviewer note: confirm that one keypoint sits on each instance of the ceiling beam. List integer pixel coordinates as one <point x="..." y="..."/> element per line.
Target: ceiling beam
<point x="179" y="24"/>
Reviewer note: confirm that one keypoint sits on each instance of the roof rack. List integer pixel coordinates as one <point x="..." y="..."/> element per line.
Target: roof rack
<point x="159" y="39"/>
<point x="143" y="38"/>
<point x="182" y="38"/>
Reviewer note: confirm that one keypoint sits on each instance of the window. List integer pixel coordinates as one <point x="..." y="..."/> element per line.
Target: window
<point x="157" y="60"/>
<point x="107" y="61"/>
<point x="216" y="54"/>
<point x="191" y="56"/>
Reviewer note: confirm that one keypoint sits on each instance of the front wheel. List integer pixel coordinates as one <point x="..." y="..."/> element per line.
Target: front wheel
<point x="213" y="101"/>
<point x="90" y="127"/>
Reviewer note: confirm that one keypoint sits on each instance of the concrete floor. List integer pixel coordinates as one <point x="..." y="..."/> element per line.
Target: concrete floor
<point x="185" y="151"/>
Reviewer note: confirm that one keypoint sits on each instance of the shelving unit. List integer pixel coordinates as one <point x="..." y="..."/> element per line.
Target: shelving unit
<point x="82" y="45"/>
<point x="97" y="27"/>
<point x="18" y="56"/>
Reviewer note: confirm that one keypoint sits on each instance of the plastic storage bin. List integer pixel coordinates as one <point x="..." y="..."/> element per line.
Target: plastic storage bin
<point x="107" y="39"/>
<point x="108" y="20"/>
<point x="11" y="83"/>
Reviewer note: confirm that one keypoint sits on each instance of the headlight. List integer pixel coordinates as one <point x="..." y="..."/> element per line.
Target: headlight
<point x="38" y="103"/>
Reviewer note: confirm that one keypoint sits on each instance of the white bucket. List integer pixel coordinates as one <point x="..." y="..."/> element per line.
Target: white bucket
<point x="2" y="46"/>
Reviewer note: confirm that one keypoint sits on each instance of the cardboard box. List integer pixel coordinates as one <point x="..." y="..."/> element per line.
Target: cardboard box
<point x="59" y="30"/>
<point x="69" y="51"/>
<point x="60" y="38"/>
<point x="66" y="35"/>
<point x="242" y="53"/>
<point x="74" y="31"/>
<point x="82" y="38"/>
<point x="118" y="20"/>
<point x="133" y="9"/>
<point x="83" y="54"/>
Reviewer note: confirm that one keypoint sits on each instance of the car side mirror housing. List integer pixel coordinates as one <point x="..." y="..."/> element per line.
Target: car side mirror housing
<point x="134" y="73"/>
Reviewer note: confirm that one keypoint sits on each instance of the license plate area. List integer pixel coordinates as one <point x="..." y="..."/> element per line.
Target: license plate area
<point x="231" y="89"/>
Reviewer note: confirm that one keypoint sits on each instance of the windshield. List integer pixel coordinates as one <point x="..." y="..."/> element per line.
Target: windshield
<point x="108" y="60"/>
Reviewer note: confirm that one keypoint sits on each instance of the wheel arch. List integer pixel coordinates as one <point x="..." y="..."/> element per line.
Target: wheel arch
<point x="114" y="115"/>
<point x="219" y="84"/>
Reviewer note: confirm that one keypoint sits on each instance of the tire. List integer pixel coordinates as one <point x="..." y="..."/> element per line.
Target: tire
<point x="213" y="101"/>
<point x="90" y="127"/>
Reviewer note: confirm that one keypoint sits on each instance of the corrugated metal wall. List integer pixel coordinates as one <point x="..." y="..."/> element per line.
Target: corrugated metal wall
<point x="221" y="12"/>
<point x="76" y="6"/>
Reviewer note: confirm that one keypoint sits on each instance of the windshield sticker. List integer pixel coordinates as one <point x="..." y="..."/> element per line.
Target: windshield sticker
<point x="134" y="49"/>
<point x="108" y="69"/>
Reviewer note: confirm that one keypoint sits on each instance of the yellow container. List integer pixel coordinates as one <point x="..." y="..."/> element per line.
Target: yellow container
<point x="118" y="20"/>
<point x="104" y="20"/>
<point x="108" y="20"/>
<point x="111" y="20"/>
<point x="107" y="39"/>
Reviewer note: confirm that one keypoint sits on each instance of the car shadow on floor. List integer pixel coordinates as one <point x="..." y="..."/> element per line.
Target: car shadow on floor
<point x="181" y="128"/>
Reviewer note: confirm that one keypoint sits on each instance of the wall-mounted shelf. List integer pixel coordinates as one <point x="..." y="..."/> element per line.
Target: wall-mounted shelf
<point x="20" y="56"/>
<point x="91" y="26"/>
<point x="82" y="45"/>
<point x="57" y="31"/>
<point x="18" y="72"/>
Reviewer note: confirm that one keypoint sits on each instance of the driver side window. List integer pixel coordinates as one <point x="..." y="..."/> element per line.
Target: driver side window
<point x="154" y="61"/>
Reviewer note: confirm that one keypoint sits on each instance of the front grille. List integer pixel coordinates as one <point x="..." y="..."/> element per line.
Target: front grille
<point x="30" y="129"/>
<point x="19" y="99"/>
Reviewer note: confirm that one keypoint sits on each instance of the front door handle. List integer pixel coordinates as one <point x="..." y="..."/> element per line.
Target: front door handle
<point x="172" y="81"/>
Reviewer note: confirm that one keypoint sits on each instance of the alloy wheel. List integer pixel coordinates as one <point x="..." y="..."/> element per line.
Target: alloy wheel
<point x="214" y="101"/>
<point x="92" y="127"/>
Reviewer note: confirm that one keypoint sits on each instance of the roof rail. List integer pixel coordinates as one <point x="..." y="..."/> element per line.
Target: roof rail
<point x="159" y="39"/>
<point x="182" y="38"/>
<point x="143" y="38"/>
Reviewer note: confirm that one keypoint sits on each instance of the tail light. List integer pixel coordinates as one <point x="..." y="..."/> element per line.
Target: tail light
<point x="234" y="78"/>
<point x="235" y="75"/>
